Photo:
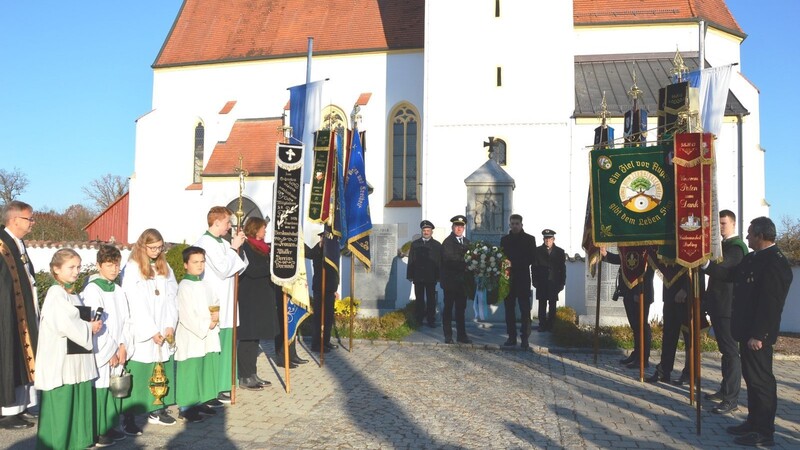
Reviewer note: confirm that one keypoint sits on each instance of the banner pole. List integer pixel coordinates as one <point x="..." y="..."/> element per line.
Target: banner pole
<point x="322" y="307"/>
<point x="286" y="371"/>
<point x="641" y="326"/>
<point x="597" y="312"/>
<point x="352" y="295"/>
<point x="697" y="358"/>
<point x="690" y="319"/>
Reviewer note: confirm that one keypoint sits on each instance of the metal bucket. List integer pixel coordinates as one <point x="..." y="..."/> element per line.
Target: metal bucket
<point x="120" y="385"/>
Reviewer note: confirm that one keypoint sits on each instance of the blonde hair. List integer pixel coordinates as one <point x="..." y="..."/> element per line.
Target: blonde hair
<point x="218" y="213"/>
<point x="139" y="254"/>
<point x="60" y="258"/>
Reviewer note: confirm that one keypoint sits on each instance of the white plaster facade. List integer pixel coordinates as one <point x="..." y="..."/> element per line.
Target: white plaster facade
<point x="452" y="85"/>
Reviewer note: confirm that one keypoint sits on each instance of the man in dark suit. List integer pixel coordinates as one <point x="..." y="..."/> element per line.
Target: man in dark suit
<point x="19" y="321"/>
<point x="761" y="283"/>
<point x="630" y="299"/>
<point x="519" y="247"/>
<point x="424" y="261"/>
<point x="719" y="303"/>
<point x="675" y="294"/>
<point x="330" y="261"/>
<point x="549" y="273"/>
<point x="453" y="280"/>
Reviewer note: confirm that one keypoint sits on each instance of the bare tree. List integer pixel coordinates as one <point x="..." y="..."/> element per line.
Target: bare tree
<point x="105" y="190"/>
<point x="12" y="183"/>
<point x="789" y="239"/>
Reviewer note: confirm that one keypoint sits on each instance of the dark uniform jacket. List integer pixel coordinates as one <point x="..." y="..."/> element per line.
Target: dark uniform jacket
<point x="454" y="268"/>
<point x="424" y="261"/>
<point x="549" y="272"/>
<point x="12" y="367"/>
<point x="331" y="274"/>
<point x="520" y="249"/>
<point x="761" y="284"/>
<point x="632" y="294"/>
<point x="719" y="294"/>
<point x="257" y="318"/>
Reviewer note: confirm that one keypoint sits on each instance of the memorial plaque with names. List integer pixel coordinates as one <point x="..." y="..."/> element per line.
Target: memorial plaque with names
<point x="378" y="288"/>
<point x="288" y="182"/>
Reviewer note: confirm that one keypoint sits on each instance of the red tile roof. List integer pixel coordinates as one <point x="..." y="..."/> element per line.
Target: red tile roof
<point x="208" y="31"/>
<point x="228" y="107"/>
<point x="363" y="99"/>
<point x="255" y="141"/>
<point x="716" y="12"/>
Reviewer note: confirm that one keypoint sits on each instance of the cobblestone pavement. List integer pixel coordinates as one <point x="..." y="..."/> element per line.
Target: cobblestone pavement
<point x="424" y="394"/>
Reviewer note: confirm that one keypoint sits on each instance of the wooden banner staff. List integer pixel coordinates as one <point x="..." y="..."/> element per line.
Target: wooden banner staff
<point x="242" y="172"/>
<point x="690" y="344"/>
<point x="352" y="294"/>
<point x="286" y="371"/>
<point x="322" y="308"/>
<point x="641" y="324"/>
<point x="597" y="312"/>
<point x="697" y="325"/>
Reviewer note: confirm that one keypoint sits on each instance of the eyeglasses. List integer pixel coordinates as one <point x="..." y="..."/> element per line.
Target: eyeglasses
<point x="30" y="219"/>
<point x="155" y="249"/>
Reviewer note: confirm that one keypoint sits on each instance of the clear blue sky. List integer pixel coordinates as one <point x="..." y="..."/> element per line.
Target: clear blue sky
<point x="76" y="75"/>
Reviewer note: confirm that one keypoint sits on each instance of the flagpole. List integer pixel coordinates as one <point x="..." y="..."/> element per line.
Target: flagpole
<point x="696" y="329"/>
<point x="241" y="172"/>
<point x="691" y="343"/>
<point x="641" y="325"/>
<point x="597" y="312"/>
<point x="352" y="294"/>
<point x="322" y="307"/>
<point x="286" y="343"/>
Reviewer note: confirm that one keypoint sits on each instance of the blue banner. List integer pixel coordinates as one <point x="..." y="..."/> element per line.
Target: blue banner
<point x="356" y="199"/>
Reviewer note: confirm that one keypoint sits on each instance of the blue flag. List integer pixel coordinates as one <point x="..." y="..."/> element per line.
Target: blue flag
<point x="340" y="216"/>
<point x="356" y="199"/>
<point x="305" y="107"/>
<point x="296" y="314"/>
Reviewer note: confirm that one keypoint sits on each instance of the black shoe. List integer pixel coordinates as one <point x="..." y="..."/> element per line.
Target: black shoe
<point x="448" y="340"/>
<point x="104" y="441"/>
<point x="224" y="397"/>
<point x="206" y="409"/>
<point x="29" y="416"/>
<point x="755" y="440"/>
<point x="741" y="429"/>
<point x="716" y="396"/>
<point x="214" y="403"/>
<point x="279" y="362"/>
<point x="635" y="364"/>
<point x="725" y="407"/>
<point x="684" y="378"/>
<point x="464" y="341"/>
<point x="330" y="346"/>
<point x="294" y="359"/>
<point x="116" y="435"/>
<point x="524" y="345"/>
<point x="261" y="381"/>
<point x="14" y="423"/>
<point x="628" y="360"/>
<point x="129" y="426"/>
<point x="657" y="376"/>
<point x="250" y="384"/>
<point x="191" y="415"/>
<point x="541" y="329"/>
<point x="161" y="417"/>
<point x="510" y="342"/>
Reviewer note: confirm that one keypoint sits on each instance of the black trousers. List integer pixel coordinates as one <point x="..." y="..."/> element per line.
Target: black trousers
<point x="631" y="303"/>
<point x="674" y="314"/>
<point x="330" y="297"/>
<point x="425" y="308"/>
<point x="731" y="363"/>
<point x="762" y="391"/>
<point x="454" y="300"/>
<point x="546" y="318"/>
<point x="524" y="300"/>
<point x="246" y="357"/>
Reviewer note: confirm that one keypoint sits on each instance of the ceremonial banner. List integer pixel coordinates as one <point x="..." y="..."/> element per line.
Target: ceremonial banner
<point x="603" y="138"/>
<point x="693" y="240"/>
<point x="298" y="307"/>
<point x="633" y="263"/>
<point x="635" y="127"/>
<point x="305" y="106"/>
<point x="356" y="197"/>
<point x="286" y="201"/>
<point x="321" y="182"/>
<point x="632" y="196"/>
<point x="710" y="209"/>
<point x="667" y="270"/>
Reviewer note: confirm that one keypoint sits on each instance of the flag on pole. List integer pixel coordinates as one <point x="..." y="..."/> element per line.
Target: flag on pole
<point x="305" y="107"/>
<point x="603" y="138"/>
<point x="713" y="84"/>
<point x="298" y="307"/>
<point x="339" y="227"/>
<point x="356" y="197"/>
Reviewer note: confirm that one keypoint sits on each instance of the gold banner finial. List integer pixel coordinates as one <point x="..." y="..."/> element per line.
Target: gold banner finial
<point x="242" y="172"/>
<point x="678" y="66"/>
<point x="634" y="92"/>
<point x="603" y="109"/>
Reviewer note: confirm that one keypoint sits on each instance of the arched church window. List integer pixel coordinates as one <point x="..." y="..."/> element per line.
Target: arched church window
<point x="199" y="142"/>
<point x="499" y="151"/>
<point x="333" y="118"/>
<point x="404" y="157"/>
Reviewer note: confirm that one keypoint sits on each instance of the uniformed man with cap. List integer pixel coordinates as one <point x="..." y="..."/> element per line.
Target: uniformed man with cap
<point x="424" y="262"/>
<point x="520" y="248"/>
<point x="549" y="273"/>
<point x="453" y="280"/>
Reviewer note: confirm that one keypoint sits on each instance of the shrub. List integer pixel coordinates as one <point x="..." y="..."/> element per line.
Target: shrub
<point x="175" y="260"/>
<point x="341" y="307"/>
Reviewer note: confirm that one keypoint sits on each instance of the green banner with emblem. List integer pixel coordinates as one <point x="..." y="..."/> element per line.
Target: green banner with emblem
<point x="633" y="196"/>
